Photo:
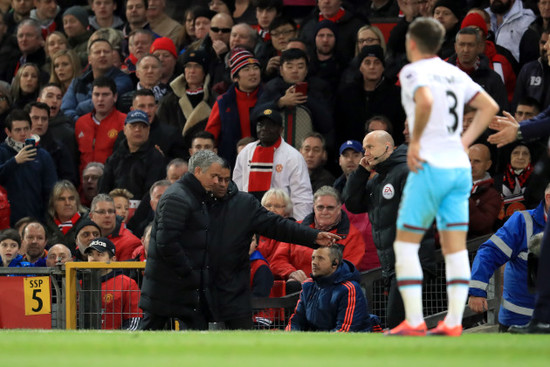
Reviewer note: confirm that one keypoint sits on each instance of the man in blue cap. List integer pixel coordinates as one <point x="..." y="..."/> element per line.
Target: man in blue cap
<point x="135" y="164"/>
<point x="351" y="152"/>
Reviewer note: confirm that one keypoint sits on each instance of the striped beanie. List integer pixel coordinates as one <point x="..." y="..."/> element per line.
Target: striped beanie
<point x="239" y="59"/>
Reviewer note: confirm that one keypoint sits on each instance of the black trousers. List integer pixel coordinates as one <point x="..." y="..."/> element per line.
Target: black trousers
<point x="156" y="322"/>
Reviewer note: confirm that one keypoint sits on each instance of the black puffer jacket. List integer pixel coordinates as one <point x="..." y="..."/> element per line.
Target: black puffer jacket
<point x="234" y="219"/>
<point x="380" y="197"/>
<point x="177" y="251"/>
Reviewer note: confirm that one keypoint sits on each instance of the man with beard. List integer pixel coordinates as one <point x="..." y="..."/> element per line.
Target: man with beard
<point x="33" y="246"/>
<point x="325" y="62"/>
<point x="510" y="23"/>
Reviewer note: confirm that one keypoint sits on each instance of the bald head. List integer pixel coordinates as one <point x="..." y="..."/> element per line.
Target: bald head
<point x="480" y="159"/>
<point x="378" y="145"/>
<point x="58" y="254"/>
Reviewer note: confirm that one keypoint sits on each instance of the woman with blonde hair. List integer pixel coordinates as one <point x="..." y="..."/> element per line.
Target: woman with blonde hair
<point x="56" y="41"/>
<point x="64" y="68"/>
<point x="25" y="85"/>
<point x="369" y="35"/>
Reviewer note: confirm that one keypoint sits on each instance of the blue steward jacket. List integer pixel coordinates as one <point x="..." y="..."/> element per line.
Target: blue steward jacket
<point x="509" y="246"/>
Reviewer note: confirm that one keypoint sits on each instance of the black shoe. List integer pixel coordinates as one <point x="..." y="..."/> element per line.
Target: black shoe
<point x="533" y="327"/>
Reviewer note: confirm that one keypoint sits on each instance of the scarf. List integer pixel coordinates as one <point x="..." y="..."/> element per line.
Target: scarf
<point x="329" y="227"/>
<point x="66" y="226"/>
<point x="335" y="18"/>
<point x="194" y="92"/>
<point x="515" y="181"/>
<point x="261" y="168"/>
<point x="158" y="90"/>
<point x="468" y="70"/>
<point x="15" y="145"/>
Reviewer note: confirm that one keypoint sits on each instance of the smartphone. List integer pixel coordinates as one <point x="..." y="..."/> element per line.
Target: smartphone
<point x="30" y="142"/>
<point x="301" y="87"/>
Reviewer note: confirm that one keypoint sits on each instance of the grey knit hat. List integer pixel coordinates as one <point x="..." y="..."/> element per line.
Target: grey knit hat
<point x="79" y="13"/>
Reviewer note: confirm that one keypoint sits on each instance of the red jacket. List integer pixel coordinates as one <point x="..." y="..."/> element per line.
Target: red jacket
<point x="95" y="142"/>
<point x="485" y="203"/>
<point x="119" y="301"/>
<point x="289" y="258"/>
<point x="502" y="66"/>
<point x="125" y="242"/>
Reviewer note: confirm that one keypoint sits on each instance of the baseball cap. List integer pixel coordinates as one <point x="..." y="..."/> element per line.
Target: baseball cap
<point x="270" y="114"/>
<point x="102" y="244"/>
<point x="136" y="116"/>
<point x="351" y="144"/>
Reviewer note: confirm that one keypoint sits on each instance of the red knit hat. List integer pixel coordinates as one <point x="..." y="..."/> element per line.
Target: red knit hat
<point x="476" y="20"/>
<point x="164" y="43"/>
<point x="239" y="59"/>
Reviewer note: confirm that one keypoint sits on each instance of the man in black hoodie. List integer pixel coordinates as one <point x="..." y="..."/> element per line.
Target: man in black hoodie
<point x="380" y="195"/>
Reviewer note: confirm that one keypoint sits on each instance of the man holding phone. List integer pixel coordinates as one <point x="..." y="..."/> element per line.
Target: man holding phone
<point x="27" y="172"/>
<point x="304" y="104"/>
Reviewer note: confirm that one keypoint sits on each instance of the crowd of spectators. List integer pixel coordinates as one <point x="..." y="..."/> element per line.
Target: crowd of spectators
<point x="102" y="103"/>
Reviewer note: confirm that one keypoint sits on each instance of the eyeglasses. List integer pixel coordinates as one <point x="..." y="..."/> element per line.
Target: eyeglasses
<point x="281" y="33"/>
<point x="218" y="30"/>
<point x="321" y="208"/>
<point x="103" y="212"/>
<point x="276" y="206"/>
<point x="368" y="40"/>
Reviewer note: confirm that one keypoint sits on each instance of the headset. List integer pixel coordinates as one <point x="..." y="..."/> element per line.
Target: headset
<point x="380" y="156"/>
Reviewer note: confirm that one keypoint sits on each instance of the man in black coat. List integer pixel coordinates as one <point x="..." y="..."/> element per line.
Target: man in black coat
<point x="380" y="197"/>
<point x="136" y="164"/>
<point x="198" y="265"/>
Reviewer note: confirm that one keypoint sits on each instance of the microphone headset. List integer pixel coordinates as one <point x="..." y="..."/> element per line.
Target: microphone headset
<point x="380" y="156"/>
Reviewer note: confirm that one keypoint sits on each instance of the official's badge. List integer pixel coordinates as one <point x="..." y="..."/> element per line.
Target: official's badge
<point x="388" y="192"/>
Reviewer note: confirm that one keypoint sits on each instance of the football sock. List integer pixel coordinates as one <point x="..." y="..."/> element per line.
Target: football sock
<point x="457" y="267"/>
<point x="409" y="275"/>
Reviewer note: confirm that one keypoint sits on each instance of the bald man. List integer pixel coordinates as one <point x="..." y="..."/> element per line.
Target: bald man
<point x="485" y="201"/>
<point x="58" y="254"/>
<point x="375" y="187"/>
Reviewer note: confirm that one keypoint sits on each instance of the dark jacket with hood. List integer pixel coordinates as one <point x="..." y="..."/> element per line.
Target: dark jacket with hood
<point x="234" y="219"/>
<point x="136" y="171"/>
<point x="380" y="197"/>
<point x="332" y="303"/>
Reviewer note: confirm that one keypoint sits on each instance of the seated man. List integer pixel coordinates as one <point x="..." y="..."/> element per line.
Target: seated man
<point x="292" y="263"/>
<point x="509" y="246"/>
<point x="33" y="244"/>
<point x="122" y="312"/>
<point x="86" y="232"/>
<point x="314" y="151"/>
<point x="485" y="201"/>
<point x="332" y="300"/>
<point x="89" y="185"/>
<point x="102" y="212"/>
<point x="58" y="254"/>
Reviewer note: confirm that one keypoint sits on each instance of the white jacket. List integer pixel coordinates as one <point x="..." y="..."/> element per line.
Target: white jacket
<point x="515" y="23"/>
<point x="290" y="173"/>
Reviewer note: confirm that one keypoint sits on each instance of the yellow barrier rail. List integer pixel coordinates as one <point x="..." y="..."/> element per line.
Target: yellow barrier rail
<point x="70" y="285"/>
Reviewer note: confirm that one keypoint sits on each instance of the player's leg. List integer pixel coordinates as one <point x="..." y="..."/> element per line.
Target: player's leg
<point x="452" y="221"/>
<point x="416" y="213"/>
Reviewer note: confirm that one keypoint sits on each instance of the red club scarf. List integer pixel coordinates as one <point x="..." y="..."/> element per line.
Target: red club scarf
<point x="261" y="167"/>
